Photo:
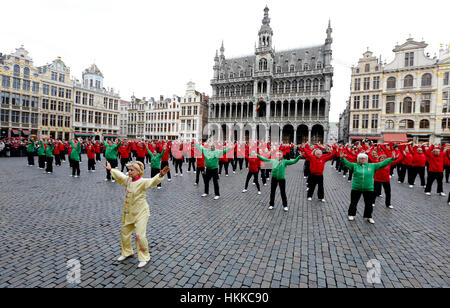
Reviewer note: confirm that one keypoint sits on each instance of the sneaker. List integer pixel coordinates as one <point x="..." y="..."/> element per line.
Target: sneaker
<point x="113" y="181"/>
<point x="48" y="172"/>
<point x="270" y="207"/>
<point x="343" y="176"/>
<point x="309" y="199"/>
<point x="142" y="264"/>
<point x="122" y="258"/>
<point x="351" y="218"/>
<point x="226" y="175"/>
<point x="411" y="186"/>
<point x="195" y="184"/>
<point x="265" y="184"/>
<point x="204" y="195"/>
<point x="216" y="197"/>
<point x="323" y="200"/>
<point x="305" y="177"/>
<point x="93" y="171"/>
<point x="370" y="220"/>
<point x="428" y="194"/>
<point x="286" y="209"/>
<point x="443" y="194"/>
<point x="234" y="172"/>
<point x="349" y="181"/>
<point x="176" y="174"/>
<point x="390" y="207"/>
<point x="399" y="182"/>
<point x="181" y="174"/>
<point x="253" y="183"/>
<point x="105" y="180"/>
<point x="259" y="192"/>
<point x="169" y="180"/>
<point x="76" y="176"/>
<point x="158" y="187"/>
<point x="245" y="190"/>
<point x="373" y="205"/>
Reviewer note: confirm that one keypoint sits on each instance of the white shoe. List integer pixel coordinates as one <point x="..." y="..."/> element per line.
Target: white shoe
<point x="259" y="192"/>
<point x="204" y="195"/>
<point x="76" y="176"/>
<point x="373" y="205"/>
<point x="48" y="172"/>
<point x="169" y="180"/>
<point x="93" y="171"/>
<point x="158" y="187"/>
<point x="443" y="194"/>
<point x="309" y="199"/>
<point x="176" y="174"/>
<point x="216" y="197"/>
<point x="181" y="174"/>
<point x="265" y="184"/>
<point x="349" y="181"/>
<point x="195" y="172"/>
<point x="428" y="194"/>
<point x="343" y="176"/>
<point x="390" y="207"/>
<point x="270" y="207"/>
<point x="323" y="200"/>
<point x="371" y="220"/>
<point x="253" y="183"/>
<point x="105" y="180"/>
<point x="122" y="258"/>
<point x="411" y="186"/>
<point x="195" y="184"/>
<point x="234" y="172"/>
<point x="305" y="177"/>
<point x="399" y="182"/>
<point x="113" y="181"/>
<point x="245" y="190"/>
<point x="142" y="264"/>
<point x="351" y="218"/>
<point x="286" y="209"/>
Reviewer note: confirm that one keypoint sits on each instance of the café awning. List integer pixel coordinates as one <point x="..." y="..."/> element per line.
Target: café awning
<point x="395" y="137"/>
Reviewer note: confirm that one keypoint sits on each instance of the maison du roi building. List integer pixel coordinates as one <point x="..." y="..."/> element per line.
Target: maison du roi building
<point x="272" y="95"/>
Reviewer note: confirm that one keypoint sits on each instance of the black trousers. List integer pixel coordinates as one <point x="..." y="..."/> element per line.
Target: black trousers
<point x="255" y="176"/>
<point x="166" y="164"/>
<point x="273" y="189"/>
<point x="368" y="201"/>
<point x="413" y="174"/>
<point x="402" y="172"/>
<point x="141" y="159"/>
<point x="91" y="164"/>
<point x="313" y="181"/>
<point x="49" y="161"/>
<point x="30" y="158"/>
<point x="113" y="163"/>
<point x="98" y="156"/>
<point x="41" y="161"/>
<point x="234" y="162"/>
<point x="57" y="160"/>
<point x="62" y="156"/>
<point x="306" y="170"/>
<point x="387" y="191"/>
<point x="123" y="163"/>
<point x="70" y="162"/>
<point x="265" y="173"/>
<point x="447" y="173"/>
<point x="432" y="176"/>
<point x="246" y="163"/>
<point x="197" y="175"/>
<point x="212" y="174"/>
<point x="350" y="175"/>
<point x="241" y="161"/>
<point x="147" y="158"/>
<point x="178" y="165"/>
<point x="75" y="167"/>
<point x="192" y="161"/>
<point x="154" y="172"/>
<point x="222" y="164"/>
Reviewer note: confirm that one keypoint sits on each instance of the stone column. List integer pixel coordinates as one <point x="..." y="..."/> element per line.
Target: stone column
<point x="303" y="109"/>
<point x="309" y="135"/>
<point x="295" y="136"/>
<point x="296" y="111"/>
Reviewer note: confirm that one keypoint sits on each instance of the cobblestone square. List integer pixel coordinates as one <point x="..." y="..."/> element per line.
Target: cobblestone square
<point x="232" y="242"/>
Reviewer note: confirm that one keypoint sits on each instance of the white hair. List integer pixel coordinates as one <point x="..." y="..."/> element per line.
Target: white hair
<point x="362" y="155"/>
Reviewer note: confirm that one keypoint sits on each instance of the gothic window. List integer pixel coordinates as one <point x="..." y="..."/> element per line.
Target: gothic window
<point x="292" y="68"/>
<point x="294" y="86"/>
<point x="263" y="65"/>
<point x="305" y="67"/>
<point x="288" y="86"/>
<point x="426" y="80"/>
<point x="278" y="69"/>
<point x="241" y="73"/>
<point x="319" y="65"/>
<point x="308" y="85"/>
<point x="322" y="84"/>
<point x="275" y="88"/>
<point x="315" y="85"/>
<point x="301" y="85"/>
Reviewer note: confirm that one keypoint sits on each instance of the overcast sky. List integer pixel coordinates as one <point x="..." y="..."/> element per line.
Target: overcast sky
<point x="153" y="48"/>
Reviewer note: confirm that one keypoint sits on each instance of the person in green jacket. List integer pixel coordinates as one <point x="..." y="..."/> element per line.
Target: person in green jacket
<point x="212" y="164"/>
<point x="111" y="156"/>
<point x="75" y="158"/>
<point x="363" y="183"/>
<point x="41" y="154"/>
<point x="30" y="152"/>
<point x="155" y="163"/>
<point x="279" y="177"/>
<point x="49" y="147"/>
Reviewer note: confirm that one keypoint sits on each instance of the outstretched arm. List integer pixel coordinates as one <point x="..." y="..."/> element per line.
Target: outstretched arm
<point x="293" y="161"/>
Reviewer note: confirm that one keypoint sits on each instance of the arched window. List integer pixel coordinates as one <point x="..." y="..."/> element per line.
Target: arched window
<point x="391" y="83"/>
<point x="241" y="73"/>
<point x="406" y="124"/>
<point x="424" y="124"/>
<point x="305" y="67"/>
<point x="408" y="81"/>
<point x="390" y="104"/>
<point x="308" y="85"/>
<point x="389" y="124"/>
<point x="426" y="80"/>
<point x="319" y="65"/>
<point x="316" y="85"/>
<point x="294" y="86"/>
<point x="275" y="87"/>
<point x="262" y="64"/>
<point x="26" y="72"/>
<point x="301" y="85"/>
<point x="288" y="86"/>
<point x="292" y="68"/>
<point x="16" y="70"/>
<point x="408" y="105"/>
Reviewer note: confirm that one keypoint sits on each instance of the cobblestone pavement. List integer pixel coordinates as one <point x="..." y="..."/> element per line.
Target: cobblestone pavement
<point x="233" y="242"/>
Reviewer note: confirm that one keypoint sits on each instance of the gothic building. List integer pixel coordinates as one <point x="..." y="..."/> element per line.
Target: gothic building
<point x="272" y="95"/>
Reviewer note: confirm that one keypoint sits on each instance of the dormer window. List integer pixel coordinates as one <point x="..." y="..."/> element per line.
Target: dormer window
<point x="409" y="59"/>
<point x="367" y="68"/>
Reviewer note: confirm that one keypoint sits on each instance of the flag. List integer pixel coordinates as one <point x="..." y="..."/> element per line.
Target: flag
<point x="257" y="107"/>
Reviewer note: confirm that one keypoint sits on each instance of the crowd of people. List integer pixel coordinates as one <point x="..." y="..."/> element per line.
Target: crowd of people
<point x="369" y="166"/>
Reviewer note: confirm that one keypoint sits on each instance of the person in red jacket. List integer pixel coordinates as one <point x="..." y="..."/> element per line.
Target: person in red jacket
<point x="223" y="161"/>
<point x="62" y="151"/>
<point x="177" y="152"/>
<point x="435" y="159"/>
<point x="191" y="158"/>
<point x="316" y="166"/>
<point x="90" y="149"/>
<point x="253" y="169"/>
<point x="141" y="151"/>
<point x="124" y="151"/>
<point x="56" y="153"/>
<point x="200" y="165"/>
<point x="165" y="160"/>
<point x="98" y="151"/>
<point x="447" y="165"/>
<point x="406" y="163"/>
<point x="382" y="178"/>
<point x="418" y="165"/>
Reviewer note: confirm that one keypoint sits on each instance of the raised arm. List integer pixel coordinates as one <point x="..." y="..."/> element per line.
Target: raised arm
<point x="293" y="161"/>
<point x="263" y="158"/>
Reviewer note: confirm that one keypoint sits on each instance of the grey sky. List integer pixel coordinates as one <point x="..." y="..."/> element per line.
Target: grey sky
<point x="154" y="48"/>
